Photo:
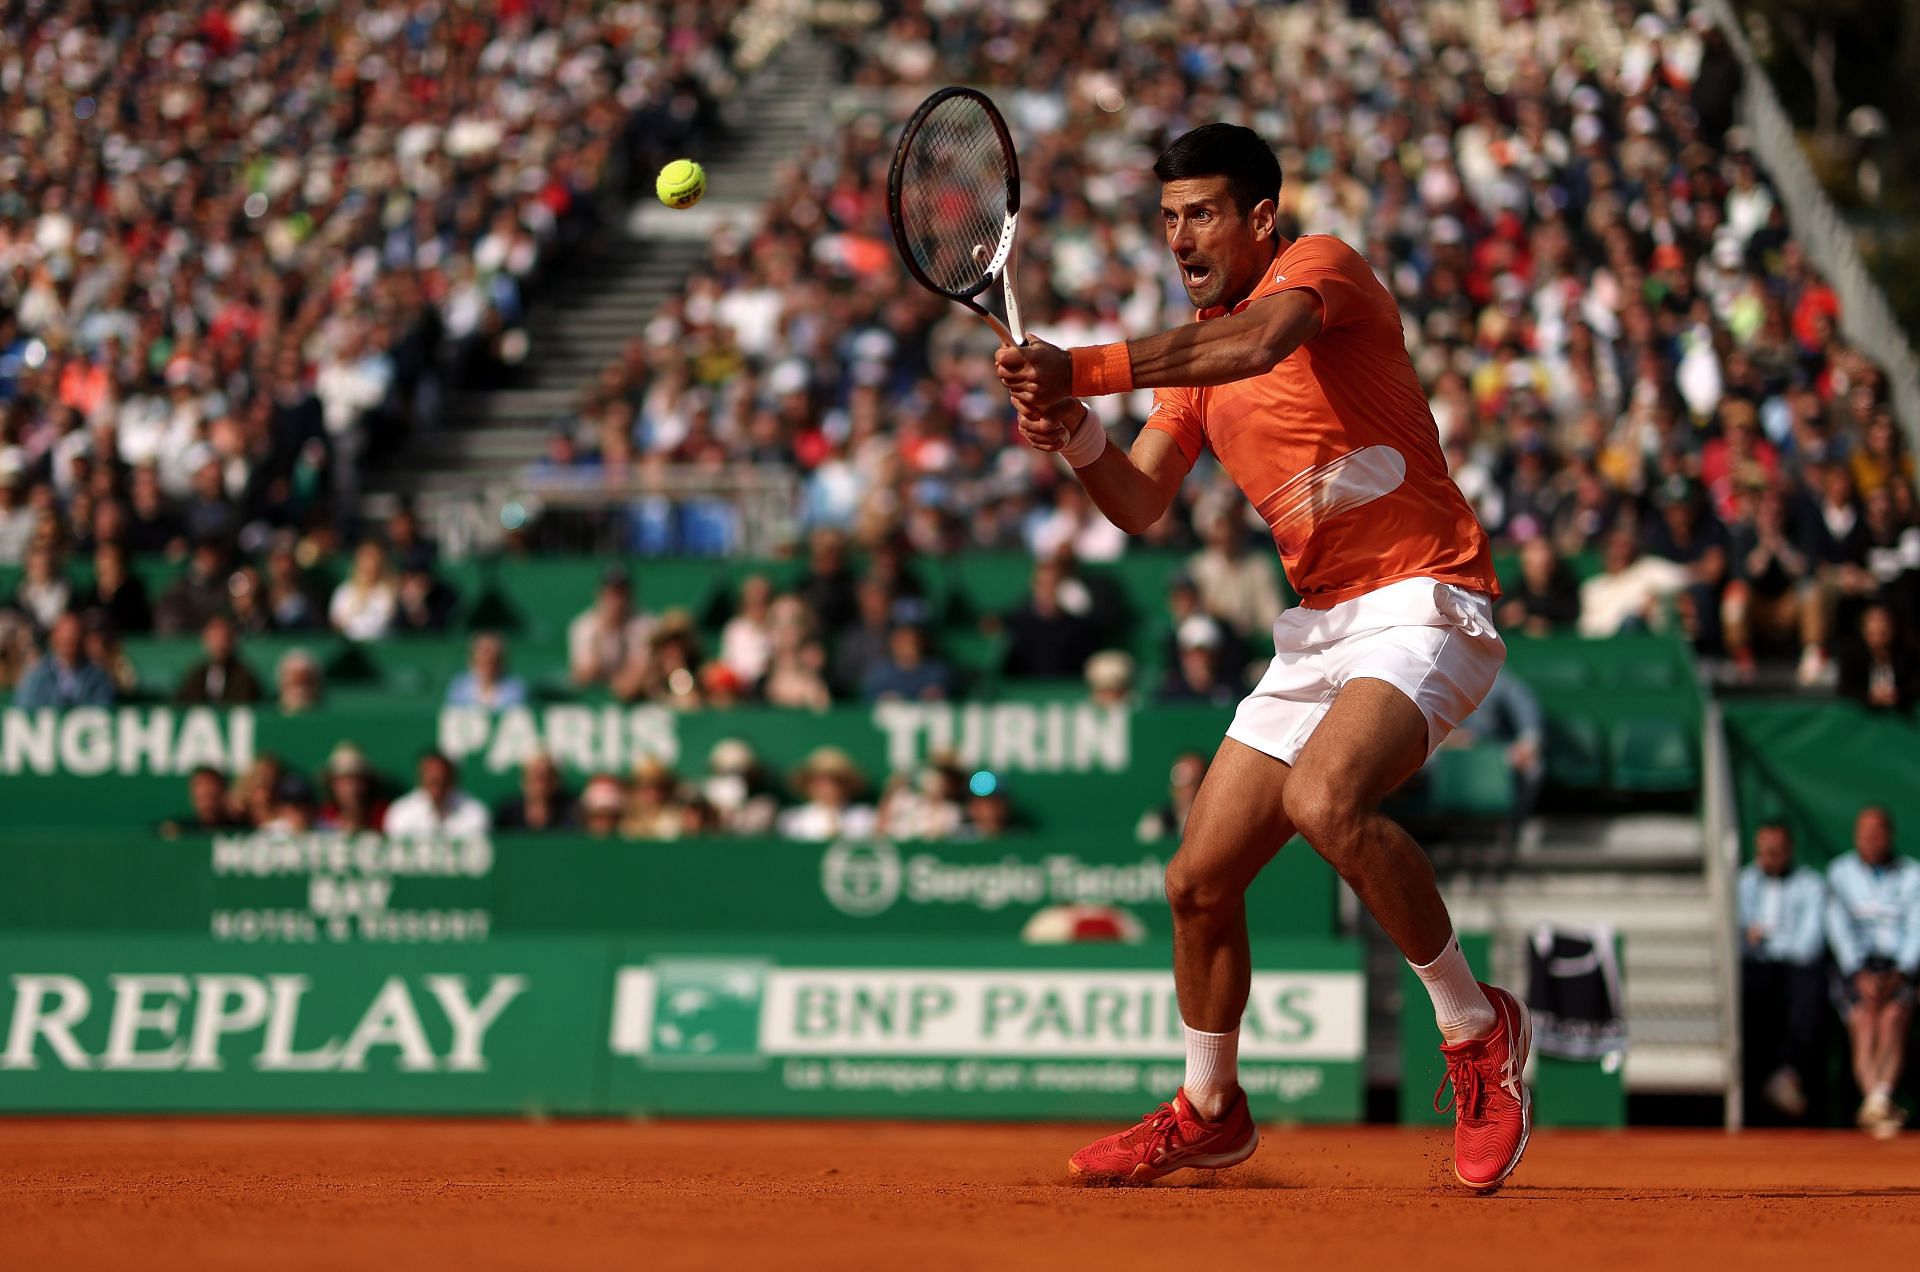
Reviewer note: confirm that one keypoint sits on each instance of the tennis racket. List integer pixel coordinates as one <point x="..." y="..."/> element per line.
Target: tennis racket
<point x="953" y="195"/>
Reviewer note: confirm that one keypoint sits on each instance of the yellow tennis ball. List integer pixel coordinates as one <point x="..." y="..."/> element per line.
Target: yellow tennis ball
<point x="681" y="183"/>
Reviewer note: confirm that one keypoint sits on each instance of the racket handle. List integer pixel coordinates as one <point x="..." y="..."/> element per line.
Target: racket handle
<point x="1014" y="329"/>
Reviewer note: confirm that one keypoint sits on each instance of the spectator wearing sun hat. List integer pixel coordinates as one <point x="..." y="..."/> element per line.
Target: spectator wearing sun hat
<point x="831" y="783"/>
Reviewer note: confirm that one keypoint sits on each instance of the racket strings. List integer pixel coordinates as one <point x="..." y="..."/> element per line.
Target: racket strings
<point x="953" y="195"/>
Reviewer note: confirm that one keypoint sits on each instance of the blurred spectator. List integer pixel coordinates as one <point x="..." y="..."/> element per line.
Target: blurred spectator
<point x="602" y="806"/>
<point x="102" y="645"/>
<point x="222" y="678"/>
<point x="989" y="814"/>
<point x="543" y="803"/>
<point x="665" y="672"/>
<point x="63" y="677"/>
<point x="924" y="804"/>
<point x="830" y="783"/>
<point x="152" y="526"/>
<point x="907" y="673"/>
<point x="1546" y="598"/>
<point x="1879" y="667"/>
<point x="1075" y="528"/>
<point x="863" y="645"/>
<point x="299" y="683"/>
<point x="197" y="595"/>
<point x="17" y="651"/>
<point x="407" y="544"/>
<point x="736" y="789"/>
<point x="291" y="604"/>
<point x="827" y="588"/>
<point x="1873" y="929"/>
<point x="1184" y="603"/>
<point x="437" y="806"/>
<point x="1238" y="587"/>
<point x="1044" y="641"/>
<point x="1110" y="678"/>
<point x="207" y="797"/>
<point x="363" y="606"/>
<point x="18" y="519"/>
<point x="485" y="683"/>
<point x="654" y="807"/>
<point x="422" y="603"/>
<point x="1627" y="594"/>
<point x="1685" y="533"/>
<point x="1510" y="717"/>
<point x="797" y="676"/>
<point x="1773" y="594"/>
<point x="1782" y="982"/>
<point x="43" y="591"/>
<point x="609" y="638"/>
<point x="352" y="803"/>
<point x="746" y="642"/>
<point x="1196" y="675"/>
<point x="1169" y="821"/>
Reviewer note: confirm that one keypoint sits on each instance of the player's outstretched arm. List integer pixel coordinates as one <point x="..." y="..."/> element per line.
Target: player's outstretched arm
<point x="1232" y="347"/>
<point x="1132" y="490"/>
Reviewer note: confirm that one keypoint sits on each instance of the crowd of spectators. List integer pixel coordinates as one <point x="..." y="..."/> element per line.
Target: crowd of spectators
<point x="1851" y="935"/>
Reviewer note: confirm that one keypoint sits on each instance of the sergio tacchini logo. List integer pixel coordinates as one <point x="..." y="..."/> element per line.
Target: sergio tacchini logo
<point x="859" y="879"/>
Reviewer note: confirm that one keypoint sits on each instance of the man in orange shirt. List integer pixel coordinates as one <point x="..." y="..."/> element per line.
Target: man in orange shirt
<point x="1296" y="375"/>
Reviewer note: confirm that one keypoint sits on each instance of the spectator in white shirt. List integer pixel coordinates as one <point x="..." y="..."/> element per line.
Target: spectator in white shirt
<point x="363" y="605"/>
<point x="1783" y="988"/>
<point x="831" y="781"/>
<point x="746" y="642"/>
<point x="1627" y="594"/>
<point x="603" y="640"/>
<point x="437" y="806"/>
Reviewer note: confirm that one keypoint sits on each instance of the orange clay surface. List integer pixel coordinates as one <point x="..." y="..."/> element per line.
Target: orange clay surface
<point x="416" y="1195"/>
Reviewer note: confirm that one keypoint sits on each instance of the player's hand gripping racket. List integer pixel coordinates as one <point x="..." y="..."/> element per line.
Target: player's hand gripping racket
<point x="953" y="196"/>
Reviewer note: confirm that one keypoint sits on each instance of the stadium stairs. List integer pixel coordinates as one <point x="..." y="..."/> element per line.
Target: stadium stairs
<point x="582" y="320"/>
<point x="1644" y="875"/>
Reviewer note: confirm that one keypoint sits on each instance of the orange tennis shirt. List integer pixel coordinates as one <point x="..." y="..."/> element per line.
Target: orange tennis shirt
<point x="1336" y="445"/>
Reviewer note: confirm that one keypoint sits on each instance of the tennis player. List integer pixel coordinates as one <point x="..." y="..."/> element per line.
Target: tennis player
<point x="1296" y="375"/>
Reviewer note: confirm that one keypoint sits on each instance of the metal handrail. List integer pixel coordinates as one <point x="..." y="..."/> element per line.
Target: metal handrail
<point x="1721" y="829"/>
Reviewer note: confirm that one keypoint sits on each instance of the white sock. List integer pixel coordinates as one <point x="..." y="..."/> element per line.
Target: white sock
<point x="1213" y="1070"/>
<point x="1459" y="1007"/>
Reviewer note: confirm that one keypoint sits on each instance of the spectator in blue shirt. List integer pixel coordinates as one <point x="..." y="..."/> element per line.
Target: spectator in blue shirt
<point x="64" y="677"/>
<point x="1873" y="927"/>
<point x="1782" y="910"/>
<point x="485" y="683"/>
<point x="907" y="672"/>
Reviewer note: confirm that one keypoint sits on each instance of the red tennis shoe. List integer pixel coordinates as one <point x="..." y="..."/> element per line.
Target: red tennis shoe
<point x="1172" y="1137"/>
<point x="1493" y="1110"/>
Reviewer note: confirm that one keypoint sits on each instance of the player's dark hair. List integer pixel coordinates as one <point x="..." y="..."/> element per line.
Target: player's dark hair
<point x="1224" y="150"/>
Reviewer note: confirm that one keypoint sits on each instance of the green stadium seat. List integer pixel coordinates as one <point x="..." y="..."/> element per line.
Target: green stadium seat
<point x="1471" y="782"/>
<point x="1653" y="754"/>
<point x="1658" y="672"/>
<point x="1556" y="667"/>
<point x="1576" y="752"/>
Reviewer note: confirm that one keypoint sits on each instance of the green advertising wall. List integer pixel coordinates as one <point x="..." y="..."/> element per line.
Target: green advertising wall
<point x="723" y="1025"/>
<point x="1814" y="765"/>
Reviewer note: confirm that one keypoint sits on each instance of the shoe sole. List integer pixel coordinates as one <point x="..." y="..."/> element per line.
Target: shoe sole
<point x="1145" y="1174"/>
<point x="1487" y="1187"/>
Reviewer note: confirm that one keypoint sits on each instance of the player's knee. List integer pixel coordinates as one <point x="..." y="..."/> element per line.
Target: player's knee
<point x="1194" y="891"/>
<point x="1323" y="813"/>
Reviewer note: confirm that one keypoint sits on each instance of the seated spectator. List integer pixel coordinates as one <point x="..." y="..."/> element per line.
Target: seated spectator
<point x="1781" y="910"/>
<point x="197" y="595"/>
<point x="797" y="676"/>
<point x="43" y="592"/>
<point x="1546" y="598"/>
<point x="863" y="645"/>
<point x="543" y="802"/>
<point x="247" y="603"/>
<point x="208" y="797"/>
<point x="603" y="804"/>
<point x="1169" y="821"/>
<point x="299" y="684"/>
<point x="1196" y="676"/>
<point x="736" y="789"/>
<point x="17" y="652"/>
<point x="907" y="674"/>
<point x="19" y="519"/>
<point x="64" y="677"/>
<point x="1878" y="667"/>
<point x="364" y="605"/>
<point x="654" y="807"/>
<point x="423" y="604"/>
<point x="1076" y="528"/>
<point x="746" y="642"/>
<point x="1627" y="594"/>
<point x="1044" y="641"/>
<point x="1873" y="930"/>
<point x="118" y="592"/>
<point x="1771" y="596"/>
<point x="485" y="683"/>
<point x="289" y="601"/>
<point x="989" y="813"/>
<point x="102" y="645"/>
<point x="924" y="804"/>
<point x="152" y="526"/>
<point x="352" y="802"/>
<point x="222" y="678"/>
<point x="1238" y="587"/>
<point x="666" y="672"/>
<point x="827" y="587"/>
<point x="265" y="791"/>
<point x="437" y="806"/>
<point x="1184" y="602"/>
<point x="407" y="544"/>
<point x="1110" y="678"/>
<point x="1687" y="534"/>
<point x="1510" y="717"/>
<point x="831" y="783"/>
<point x="608" y="638"/>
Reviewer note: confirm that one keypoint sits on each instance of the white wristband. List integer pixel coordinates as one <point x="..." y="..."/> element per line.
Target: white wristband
<point x="1086" y="443"/>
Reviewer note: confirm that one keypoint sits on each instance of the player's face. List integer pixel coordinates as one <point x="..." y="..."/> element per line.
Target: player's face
<point x="1221" y="250"/>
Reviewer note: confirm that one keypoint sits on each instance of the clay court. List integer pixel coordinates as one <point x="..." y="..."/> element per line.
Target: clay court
<point x="430" y="1195"/>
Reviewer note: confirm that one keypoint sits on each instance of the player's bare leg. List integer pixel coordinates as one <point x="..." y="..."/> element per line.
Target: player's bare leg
<point x="1372" y="739"/>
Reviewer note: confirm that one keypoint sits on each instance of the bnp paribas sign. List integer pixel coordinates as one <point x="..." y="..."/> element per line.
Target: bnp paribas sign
<point x="1039" y="1033"/>
<point x="867" y="878"/>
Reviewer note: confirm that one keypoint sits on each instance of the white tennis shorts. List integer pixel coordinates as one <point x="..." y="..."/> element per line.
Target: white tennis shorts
<point x="1432" y="641"/>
